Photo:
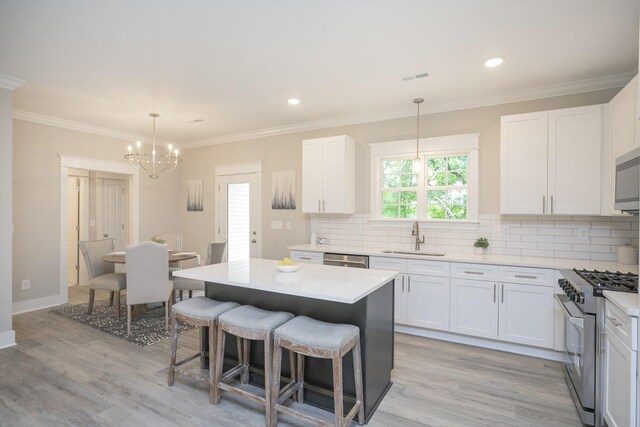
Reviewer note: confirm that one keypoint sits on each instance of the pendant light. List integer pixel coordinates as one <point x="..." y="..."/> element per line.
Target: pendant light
<point x="416" y="161"/>
<point x="153" y="163"/>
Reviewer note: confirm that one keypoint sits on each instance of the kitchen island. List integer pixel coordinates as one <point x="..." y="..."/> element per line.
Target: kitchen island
<point x="360" y="297"/>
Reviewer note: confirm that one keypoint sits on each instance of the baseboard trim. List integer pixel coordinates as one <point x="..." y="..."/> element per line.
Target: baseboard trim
<point x="524" y="350"/>
<point x="38" y="304"/>
<point x="7" y="339"/>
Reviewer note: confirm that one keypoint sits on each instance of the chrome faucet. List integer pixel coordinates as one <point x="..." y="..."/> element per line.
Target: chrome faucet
<point x="416" y="232"/>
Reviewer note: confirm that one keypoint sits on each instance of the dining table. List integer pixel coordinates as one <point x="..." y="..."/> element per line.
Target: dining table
<point x="174" y="256"/>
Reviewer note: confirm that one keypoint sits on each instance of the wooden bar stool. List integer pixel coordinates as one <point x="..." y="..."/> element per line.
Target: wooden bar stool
<point x="247" y="323"/>
<point x="199" y="311"/>
<point x="310" y="337"/>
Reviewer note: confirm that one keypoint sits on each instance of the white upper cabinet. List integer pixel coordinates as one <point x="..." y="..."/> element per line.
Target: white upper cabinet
<point x="622" y="135"/>
<point x="575" y="155"/>
<point x="328" y="175"/>
<point x="523" y="161"/>
<point x="551" y="162"/>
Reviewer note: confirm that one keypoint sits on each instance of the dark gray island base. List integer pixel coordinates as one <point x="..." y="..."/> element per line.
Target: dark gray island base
<point x="373" y="314"/>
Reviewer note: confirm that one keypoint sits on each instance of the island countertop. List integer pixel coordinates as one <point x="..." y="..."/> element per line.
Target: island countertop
<point x="323" y="282"/>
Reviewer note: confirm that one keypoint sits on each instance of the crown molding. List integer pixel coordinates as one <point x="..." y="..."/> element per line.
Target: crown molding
<point x="11" y="83"/>
<point x="587" y="85"/>
<point x="82" y="127"/>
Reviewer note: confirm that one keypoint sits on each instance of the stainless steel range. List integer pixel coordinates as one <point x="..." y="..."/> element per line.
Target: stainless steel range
<point x="584" y="323"/>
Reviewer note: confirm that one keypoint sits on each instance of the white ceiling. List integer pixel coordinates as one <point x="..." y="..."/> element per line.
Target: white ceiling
<point x="235" y="63"/>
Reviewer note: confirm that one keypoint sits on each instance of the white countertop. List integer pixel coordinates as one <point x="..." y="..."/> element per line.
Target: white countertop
<point x="338" y="284"/>
<point x="524" y="261"/>
<point x="628" y="302"/>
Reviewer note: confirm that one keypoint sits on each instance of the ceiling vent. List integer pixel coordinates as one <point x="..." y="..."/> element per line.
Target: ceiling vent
<point x="409" y="77"/>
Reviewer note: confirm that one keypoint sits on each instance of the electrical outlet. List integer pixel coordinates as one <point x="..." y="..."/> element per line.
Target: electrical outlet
<point x="502" y="231"/>
<point x="288" y="225"/>
<point x="26" y="284"/>
<point x="583" y="233"/>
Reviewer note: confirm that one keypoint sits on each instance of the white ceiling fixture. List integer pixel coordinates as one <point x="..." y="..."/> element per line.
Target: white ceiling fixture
<point x="494" y="62"/>
<point x="153" y="163"/>
<point x="293" y="101"/>
<point x="89" y="62"/>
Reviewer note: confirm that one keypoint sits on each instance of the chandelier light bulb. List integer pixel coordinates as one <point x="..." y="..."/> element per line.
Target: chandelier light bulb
<point x="138" y="144"/>
<point x="177" y="152"/>
<point x="170" y="147"/>
<point x="129" y="148"/>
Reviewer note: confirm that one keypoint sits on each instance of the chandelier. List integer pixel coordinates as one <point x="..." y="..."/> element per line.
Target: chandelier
<point x="153" y="163"/>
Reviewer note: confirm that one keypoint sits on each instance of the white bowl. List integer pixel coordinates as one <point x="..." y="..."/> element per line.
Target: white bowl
<point x="288" y="268"/>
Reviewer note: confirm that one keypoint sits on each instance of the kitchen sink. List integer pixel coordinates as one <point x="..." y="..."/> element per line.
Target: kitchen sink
<point x="414" y="253"/>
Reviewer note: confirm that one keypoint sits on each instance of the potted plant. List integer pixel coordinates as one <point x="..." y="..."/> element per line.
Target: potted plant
<point x="481" y="246"/>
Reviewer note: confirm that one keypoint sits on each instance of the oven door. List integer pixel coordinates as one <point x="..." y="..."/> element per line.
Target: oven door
<point x="579" y="351"/>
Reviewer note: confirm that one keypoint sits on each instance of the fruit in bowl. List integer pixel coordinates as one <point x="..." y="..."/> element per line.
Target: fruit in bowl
<point x="287" y="266"/>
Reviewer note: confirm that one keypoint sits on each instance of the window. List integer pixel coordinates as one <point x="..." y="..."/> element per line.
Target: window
<point x="399" y="189"/>
<point x="445" y="188"/>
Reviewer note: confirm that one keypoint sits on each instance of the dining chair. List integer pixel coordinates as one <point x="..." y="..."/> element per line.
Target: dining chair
<point x="147" y="277"/>
<point x="174" y="242"/>
<point x="102" y="275"/>
<point x="215" y="253"/>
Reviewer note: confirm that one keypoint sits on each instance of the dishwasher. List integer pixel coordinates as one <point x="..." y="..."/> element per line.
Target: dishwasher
<point x="346" y="260"/>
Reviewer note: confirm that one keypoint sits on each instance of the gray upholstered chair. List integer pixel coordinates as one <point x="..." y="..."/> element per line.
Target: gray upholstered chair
<point x="215" y="253"/>
<point x="147" y="277"/>
<point x="174" y="243"/>
<point x="102" y="275"/>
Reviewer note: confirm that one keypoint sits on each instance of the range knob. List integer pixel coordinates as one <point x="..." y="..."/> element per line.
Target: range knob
<point x="580" y="298"/>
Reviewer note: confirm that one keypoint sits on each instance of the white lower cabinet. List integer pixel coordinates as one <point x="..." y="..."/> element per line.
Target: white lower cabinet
<point x="620" y="366"/>
<point x="400" y="300"/>
<point x="526" y="314"/>
<point x="474" y="310"/>
<point x="512" y="312"/>
<point x="427" y="301"/>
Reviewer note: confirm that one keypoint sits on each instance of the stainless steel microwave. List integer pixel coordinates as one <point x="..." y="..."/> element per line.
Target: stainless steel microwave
<point x="627" y="193"/>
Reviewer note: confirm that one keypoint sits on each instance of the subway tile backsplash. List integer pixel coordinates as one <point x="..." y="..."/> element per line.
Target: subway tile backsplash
<point x="579" y="237"/>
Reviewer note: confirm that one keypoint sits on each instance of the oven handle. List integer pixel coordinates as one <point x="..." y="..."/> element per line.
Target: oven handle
<point x="578" y="321"/>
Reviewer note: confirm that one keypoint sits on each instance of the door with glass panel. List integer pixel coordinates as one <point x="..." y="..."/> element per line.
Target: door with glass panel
<point x="239" y="215"/>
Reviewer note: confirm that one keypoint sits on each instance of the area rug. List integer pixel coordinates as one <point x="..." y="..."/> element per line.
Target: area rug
<point x="148" y="330"/>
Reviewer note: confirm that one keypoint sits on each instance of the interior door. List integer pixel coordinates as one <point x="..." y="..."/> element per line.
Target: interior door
<point x="113" y="211"/>
<point x="73" y="229"/>
<point x="239" y="216"/>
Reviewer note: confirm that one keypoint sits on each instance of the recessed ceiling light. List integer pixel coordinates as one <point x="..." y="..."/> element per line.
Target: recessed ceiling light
<point x="494" y="62"/>
<point x="293" y="101"/>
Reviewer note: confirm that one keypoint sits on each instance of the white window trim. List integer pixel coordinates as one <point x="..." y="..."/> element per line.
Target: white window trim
<point x="437" y="146"/>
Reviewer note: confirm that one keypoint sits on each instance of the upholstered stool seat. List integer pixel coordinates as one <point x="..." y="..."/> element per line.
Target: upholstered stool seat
<point x="311" y="337"/>
<point x="247" y="323"/>
<point x="202" y="312"/>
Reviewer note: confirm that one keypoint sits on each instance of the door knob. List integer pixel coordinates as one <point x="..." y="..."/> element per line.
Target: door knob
<point x="106" y="234"/>
<point x="253" y="240"/>
<point x="254" y="233"/>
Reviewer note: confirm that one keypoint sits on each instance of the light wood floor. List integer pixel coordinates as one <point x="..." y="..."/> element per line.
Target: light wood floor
<point x="63" y="373"/>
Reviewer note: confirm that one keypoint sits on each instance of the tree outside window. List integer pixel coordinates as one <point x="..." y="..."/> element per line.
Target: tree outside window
<point x="446" y="187"/>
<point x="399" y="189"/>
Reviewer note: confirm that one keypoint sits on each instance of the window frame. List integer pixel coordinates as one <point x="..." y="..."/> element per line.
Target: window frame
<point x="454" y="145"/>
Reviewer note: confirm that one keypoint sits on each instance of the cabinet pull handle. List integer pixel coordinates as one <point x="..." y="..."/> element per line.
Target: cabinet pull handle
<point x="494" y="292"/>
<point x="409" y="284"/>
<point x="614" y="321"/>
<point x="523" y="276"/>
<point x="305" y="257"/>
<point x="479" y="273"/>
<point x="402" y="283"/>
<point x="602" y="340"/>
<point x="551" y="203"/>
<point x="319" y="210"/>
<point x="544" y="207"/>
<point x="502" y="292"/>
<point x="323" y="209"/>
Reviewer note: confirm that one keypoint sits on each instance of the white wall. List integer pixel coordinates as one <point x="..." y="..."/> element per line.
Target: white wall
<point x="36" y="201"/>
<point x="6" y="332"/>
